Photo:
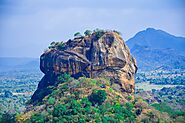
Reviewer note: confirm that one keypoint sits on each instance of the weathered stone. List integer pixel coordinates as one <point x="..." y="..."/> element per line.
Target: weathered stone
<point x="89" y="56"/>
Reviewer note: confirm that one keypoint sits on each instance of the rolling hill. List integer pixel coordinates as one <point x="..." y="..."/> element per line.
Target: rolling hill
<point x="156" y="49"/>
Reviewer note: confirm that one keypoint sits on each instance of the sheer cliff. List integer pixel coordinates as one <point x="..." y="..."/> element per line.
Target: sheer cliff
<point x="100" y="54"/>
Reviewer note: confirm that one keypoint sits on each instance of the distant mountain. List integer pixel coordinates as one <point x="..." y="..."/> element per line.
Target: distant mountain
<point x="156" y="49"/>
<point x="16" y="62"/>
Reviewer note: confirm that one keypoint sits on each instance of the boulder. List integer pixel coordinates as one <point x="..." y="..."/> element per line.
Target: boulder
<point x="92" y="56"/>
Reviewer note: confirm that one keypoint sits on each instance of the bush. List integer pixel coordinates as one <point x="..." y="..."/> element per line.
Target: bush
<point x="64" y="78"/>
<point x="52" y="45"/>
<point x="129" y="97"/>
<point x="88" y="32"/>
<point x="61" y="46"/>
<point x="99" y="33"/>
<point x="93" y="82"/>
<point x="59" y="110"/>
<point x="98" y="97"/>
<point x="58" y="45"/>
<point x="37" y="118"/>
<point x="145" y="120"/>
<point x="129" y="106"/>
<point x="77" y="34"/>
<point x="110" y="89"/>
<point x="7" y="118"/>
<point x="51" y="101"/>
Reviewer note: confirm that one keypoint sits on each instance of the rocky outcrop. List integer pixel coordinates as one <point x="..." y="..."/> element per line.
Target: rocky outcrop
<point x="95" y="55"/>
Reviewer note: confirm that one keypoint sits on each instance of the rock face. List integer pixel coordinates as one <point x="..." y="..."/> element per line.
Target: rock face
<point x="94" y="55"/>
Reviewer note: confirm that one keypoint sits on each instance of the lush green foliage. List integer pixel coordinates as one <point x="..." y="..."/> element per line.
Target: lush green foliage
<point x="99" y="33"/>
<point x="37" y="118"/>
<point x="51" y="101"/>
<point x="87" y="32"/>
<point x="52" y="45"/>
<point x="7" y="118"/>
<point x="98" y="97"/>
<point x="60" y="46"/>
<point x="83" y="111"/>
<point x="77" y="34"/>
<point x="57" y="45"/>
<point x="110" y="89"/>
<point x="163" y="107"/>
<point x="64" y="78"/>
<point x="129" y="97"/>
<point x="72" y="106"/>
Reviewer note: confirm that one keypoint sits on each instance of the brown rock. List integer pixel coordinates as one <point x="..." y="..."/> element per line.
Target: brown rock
<point x="91" y="56"/>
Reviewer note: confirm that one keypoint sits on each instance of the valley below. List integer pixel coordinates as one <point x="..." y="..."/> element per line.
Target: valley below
<point x="162" y="86"/>
<point x="16" y="87"/>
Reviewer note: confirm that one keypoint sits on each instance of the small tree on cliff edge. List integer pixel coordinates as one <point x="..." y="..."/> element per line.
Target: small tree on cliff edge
<point x="77" y="35"/>
<point x="87" y="32"/>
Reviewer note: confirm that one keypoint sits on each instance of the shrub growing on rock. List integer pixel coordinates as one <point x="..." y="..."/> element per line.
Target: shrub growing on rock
<point x="64" y="78"/>
<point x="88" y="32"/>
<point x="99" y="33"/>
<point x="51" y="101"/>
<point x="77" y="35"/>
<point x="60" y="46"/>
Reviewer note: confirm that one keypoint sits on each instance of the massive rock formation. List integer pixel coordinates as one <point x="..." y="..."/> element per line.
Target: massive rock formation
<point x="100" y="54"/>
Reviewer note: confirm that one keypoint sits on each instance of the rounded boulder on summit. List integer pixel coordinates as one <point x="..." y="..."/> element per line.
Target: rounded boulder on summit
<point x="100" y="54"/>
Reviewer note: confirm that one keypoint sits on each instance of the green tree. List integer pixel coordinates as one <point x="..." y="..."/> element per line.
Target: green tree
<point x="88" y="32"/>
<point x="52" y="45"/>
<point x="37" y="118"/>
<point x="61" y="46"/>
<point x="7" y="118"/>
<point x="77" y="34"/>
<point x="51" y="101"/>
<point x="129" y="97"/>
<point x="59" y="110"/>
<point x="98" y="97"/>
<point x="64" y="77"/>
<point x="99" y="33"/>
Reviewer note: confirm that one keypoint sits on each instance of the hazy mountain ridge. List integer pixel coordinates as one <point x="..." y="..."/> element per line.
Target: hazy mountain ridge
<point x="18" y="62"/>
<point x="156" y="49"/>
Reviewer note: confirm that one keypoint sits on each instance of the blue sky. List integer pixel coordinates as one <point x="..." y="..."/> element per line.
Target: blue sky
<point x="28" y="26"/>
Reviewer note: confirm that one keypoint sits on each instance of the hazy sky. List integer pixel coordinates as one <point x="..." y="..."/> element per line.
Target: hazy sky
<point x="28" y="26"/>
